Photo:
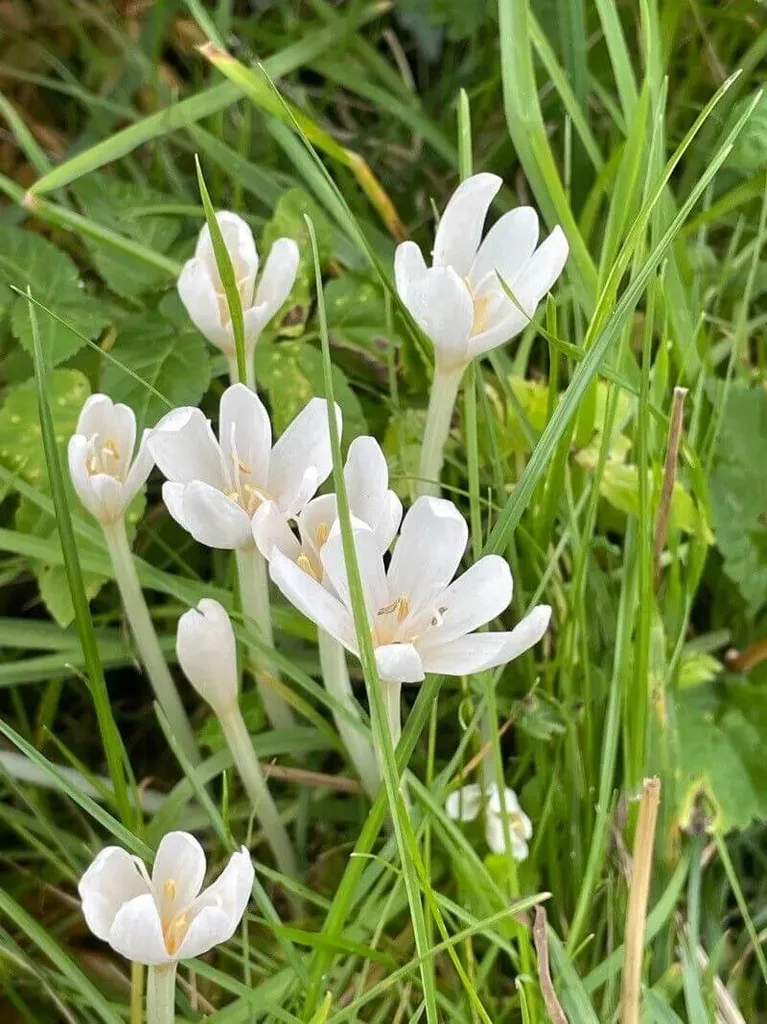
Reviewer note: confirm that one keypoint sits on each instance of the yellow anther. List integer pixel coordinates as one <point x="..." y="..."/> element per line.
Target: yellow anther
<point x="479" y="322"/>
<point x="170" y="889"/>
<point x="112" y="449"/>
<point x="92" y="464"/>
<point x="400" y="605"/>
<point x="303" y="562"/>
<point x="242" y="466"/>
<point x="323" y="532"/>
<point x="175" y="932"/>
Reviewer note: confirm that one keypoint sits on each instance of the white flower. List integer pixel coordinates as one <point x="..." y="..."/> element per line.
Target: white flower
<point x="104" y="473"/>
<point x="465" y="805"/>
<point x="215" y="487"/>
<point x="366" y="474"/>
<point x="207" y="654"/>
<point x="203" y="294"/>
<point x="419" y="621"/>
<point x="459" y="302"/>
<point x="165" y="917"/>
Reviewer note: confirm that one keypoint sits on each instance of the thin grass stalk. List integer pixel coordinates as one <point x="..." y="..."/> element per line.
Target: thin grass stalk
<point x="644" y="845"/>
<point x="144" y="634"/>
<point x="254" y="596"/>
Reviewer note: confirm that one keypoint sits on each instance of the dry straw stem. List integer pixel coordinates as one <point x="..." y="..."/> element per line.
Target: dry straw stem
<point x="540" y="938"/>
<point x="637" y="908"/>
<point x="669" y="477"/>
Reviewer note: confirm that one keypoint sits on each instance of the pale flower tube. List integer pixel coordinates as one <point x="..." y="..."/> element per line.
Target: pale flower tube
<point x="203" y="295"/>
<point x="466" y="804"/>
<point x="163" y="918"/>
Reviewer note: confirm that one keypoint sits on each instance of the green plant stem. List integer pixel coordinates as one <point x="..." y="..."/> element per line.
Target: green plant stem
<point x="145" y="636"/>
<point x="136" y="993"/>
<point x="444" y="391"/>
<point x="392" y="695"/>
<point x="264" y="807"/>
<point x="335" y="674"/>
<point x="161" y="994"/>
<point x="254" y="595"/>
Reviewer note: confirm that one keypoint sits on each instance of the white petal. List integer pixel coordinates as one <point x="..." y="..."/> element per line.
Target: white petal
<point x="316" y="521"/>
<point x="409" y="269"/>
<point x="442" y="306"/>
<point x="430" y="546"/>
<point x="369" y="562"/>
<point x="278" y="278"/>
<point x="542" y="270"/>
<point x="271" y="530"/>
<point x="304" y="445"/>
<point x="173" y="496"/>
<point x="299" y="493"/>
<point x="109" y="423"/>
<point x="460" y="228"/>
<point x="107" y="498"/>
<point x="399" y="663"/>
<point x="177" y="872"/>
<point x="313" y="600"/>
<point x="111" y="880"/>
<point x="77" y="458"/>
<point x="476" y="597"/>
<point x="95" y="415"/>
<point x="464" y="804"/>
<point x="367" y="485"/>
<point x="136" y="932"/>
<point x="507" y="247"/>
<point x="387" y="528"/>
<point x="207" y="654"/>
<point x="140" y="469"/>
<point x="197" y="291"/>
<point x="511" y="322"/>
<point x="478" y="652"/>
<point x="184" y="447"/>
<point x="218" y="910"/>
<point x="246" y="434"/>
<point x="213" y="519"/>
<point x="238" y="239"/>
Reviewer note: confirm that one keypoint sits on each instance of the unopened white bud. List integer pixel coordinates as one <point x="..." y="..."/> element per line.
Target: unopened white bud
<point x="207" y="654"/>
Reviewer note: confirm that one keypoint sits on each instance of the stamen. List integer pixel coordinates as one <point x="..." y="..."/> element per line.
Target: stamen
<point x="175" y="932"/>
<point x="304" y="563"/>
<point x="480" y="321"/>
<point x="92" y="464"/>
<point x="242" y="466"/>
<point x="400" y="605"/>
<point x="323" y="532"/>
<point x="111" y="448"/>
<point x="170" y="888"/>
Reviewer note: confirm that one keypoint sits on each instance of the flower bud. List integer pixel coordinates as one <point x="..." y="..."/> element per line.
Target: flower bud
<point x="207" y="654"/>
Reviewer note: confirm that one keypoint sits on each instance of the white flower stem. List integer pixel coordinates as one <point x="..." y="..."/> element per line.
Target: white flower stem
<point x="161" y="994"/>
<point x="264" y="807"/>
<point x="335" y="674"/>
<point x="254" y="594"/>
<point x="250" y="370"/>
<point x="392" y="693"/>
<point x="145" y="636"/>
<point x="444" y="391"/>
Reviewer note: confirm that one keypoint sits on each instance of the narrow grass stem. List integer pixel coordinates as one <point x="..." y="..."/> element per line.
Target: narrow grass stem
<point x="161" y="994"/>
<point x="264" y="807"/>
<point x="145" y="636"/>
<point x="392" y="694"/>
<point x="335" y="675"/>
<point x="254" y="595"/>
<point x="444" y="391"/>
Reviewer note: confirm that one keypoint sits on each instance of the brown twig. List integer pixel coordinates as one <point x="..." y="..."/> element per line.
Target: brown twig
<point x="633" y="949"/>
<point x="304" y="777"/>
<point x="669" y="478"/>
<point x="540" y="938"/>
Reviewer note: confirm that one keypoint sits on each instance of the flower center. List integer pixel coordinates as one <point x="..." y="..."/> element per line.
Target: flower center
<point x="174" y="933"/>
<point x="480" y="322"/>
<point x="304" y="562"/>
<point x="104" y="459"/>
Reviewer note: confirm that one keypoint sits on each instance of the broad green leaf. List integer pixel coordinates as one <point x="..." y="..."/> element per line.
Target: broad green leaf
<point x="29" y="260"/>
<point x="291" y="373"/>
<point x="402" y="445"/>
<point x="165" y="350"/>
<point x="356" y="311"/>
<point x="127" y="209"/>
<point x="288" y="222"/>
<point x="738" y="493"/>
<point x="722" y="734"/>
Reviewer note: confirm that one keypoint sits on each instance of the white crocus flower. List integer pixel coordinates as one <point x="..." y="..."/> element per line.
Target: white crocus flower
<point x="215" y="488"/>
<point x="163" y="918"/>
<point x="459" y="301"/>
<point x="207" y="654"/>
<point x="366" y="474"/>
<point x="104" y="472"/>
<point x="419" y="620"/>
<point x="202" y="292"/>
<point x="466" y="804"/>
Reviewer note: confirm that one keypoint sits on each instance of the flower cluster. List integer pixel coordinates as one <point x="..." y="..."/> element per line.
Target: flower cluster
<point x="240" y="490"/>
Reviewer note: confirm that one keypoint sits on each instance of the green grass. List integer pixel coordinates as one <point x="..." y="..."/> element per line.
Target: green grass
<point x="643" y="131"/>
